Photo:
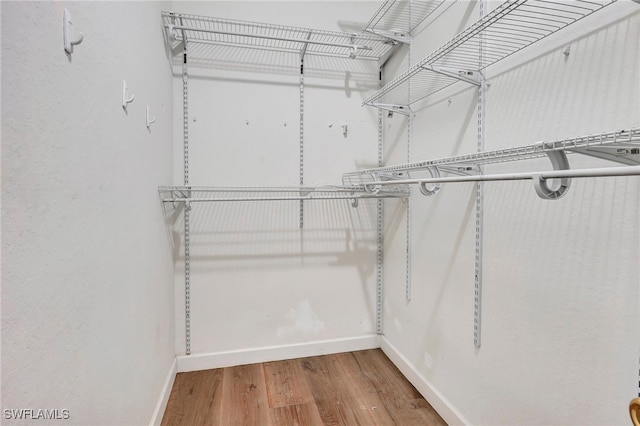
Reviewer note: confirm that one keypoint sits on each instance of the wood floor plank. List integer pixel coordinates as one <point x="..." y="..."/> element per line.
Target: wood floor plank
<point x="357" y="391"/>
<point x="244" y="397"/>
<point x="403" y="402"/>
<point x="194" y="398"/>
<point x="357" y="388"/>
<point x="331" y="405"/>
<point x="286" y="383"/>
<point x="298" y="415"/>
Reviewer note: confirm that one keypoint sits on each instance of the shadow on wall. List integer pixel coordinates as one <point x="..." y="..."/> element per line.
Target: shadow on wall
<point x="258" y="235"/>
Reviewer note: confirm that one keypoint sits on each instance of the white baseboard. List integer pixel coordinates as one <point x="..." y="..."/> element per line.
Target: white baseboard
<point x="206" y="361"/>
<point x="161" y="406"/>
<point x="446" y="410"/>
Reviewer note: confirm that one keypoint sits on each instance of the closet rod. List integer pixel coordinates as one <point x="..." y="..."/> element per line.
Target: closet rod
<point x="552" y="174"/>
<point x="294" y="40"/>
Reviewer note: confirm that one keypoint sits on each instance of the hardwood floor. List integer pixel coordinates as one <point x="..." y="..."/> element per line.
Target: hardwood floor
<point x="356" y="388"/>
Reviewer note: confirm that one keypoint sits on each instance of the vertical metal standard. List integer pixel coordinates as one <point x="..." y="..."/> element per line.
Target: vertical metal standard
<point x="379" y="223"/>
<point x="301" y="170"/>
<point x="187" y="207"/>
<point x="409" y="202"/>
<point x="477" y="306"/>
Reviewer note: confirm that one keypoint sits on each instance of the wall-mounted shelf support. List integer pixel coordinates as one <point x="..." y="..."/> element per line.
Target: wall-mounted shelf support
<point x="470" y="76"/>
<point x="400" y="109"/>
<point x="559" y="161"/>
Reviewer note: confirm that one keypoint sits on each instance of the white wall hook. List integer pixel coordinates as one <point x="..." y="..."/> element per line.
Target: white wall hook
<point x="125" y="100"/>
<point x="69" y="34"/>
<point x="567" y="51"/>
<point x="150" y="122"/>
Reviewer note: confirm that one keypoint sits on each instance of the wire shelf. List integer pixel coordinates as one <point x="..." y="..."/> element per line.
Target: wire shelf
<point x="399" y="18"/>
<point x="509" y="28"/>
<point x="620" y="146"/>
<point x="301" y="193"/>
<point x="256" y="36"/>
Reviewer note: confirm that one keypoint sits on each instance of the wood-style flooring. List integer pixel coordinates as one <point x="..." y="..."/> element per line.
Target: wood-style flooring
<point x="356" y="388"/>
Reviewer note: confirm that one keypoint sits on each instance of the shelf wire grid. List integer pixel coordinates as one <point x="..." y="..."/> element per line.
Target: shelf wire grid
<point x="273" y="38"/>
<point x="401" y="16"/>
<point x="622" y="146"/>
<point x="509" y="28"/>
<point x="194" y="194"/>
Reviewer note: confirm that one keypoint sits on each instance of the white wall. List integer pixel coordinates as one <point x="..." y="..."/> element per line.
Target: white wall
<point x="561" y="278"/>
<point x="257" y="280"/>
<point x="87" y="298"/>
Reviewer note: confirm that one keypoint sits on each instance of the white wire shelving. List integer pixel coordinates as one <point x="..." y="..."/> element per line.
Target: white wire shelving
<point x="621" y="146"/>
<point x="191" y="194"/>
<point x="294" y="42"/>
<point x="509" y="28"/>
<point x="397" y="19"/>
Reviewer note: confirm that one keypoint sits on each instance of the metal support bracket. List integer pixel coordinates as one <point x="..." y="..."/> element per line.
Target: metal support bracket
<point x="400" y="109"/>
<point x="560" y="162"/>
<point x="435" y="173"/>
<point x="400" y="37"/>
<point x="465" y="170"/>
<point x="470" y="76"/>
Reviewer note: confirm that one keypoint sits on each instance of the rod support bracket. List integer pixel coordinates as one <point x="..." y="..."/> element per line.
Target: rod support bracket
<point x="435" y="173"/>
<point x="560" y="162"/>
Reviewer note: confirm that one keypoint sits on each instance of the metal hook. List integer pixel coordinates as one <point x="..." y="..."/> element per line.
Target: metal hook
<point x="354" y="203"/>
<point x="149" y="122"/>
<point x="126" y="100"/>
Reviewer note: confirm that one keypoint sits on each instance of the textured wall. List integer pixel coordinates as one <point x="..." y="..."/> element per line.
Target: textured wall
<point x="87" y="299"/>
<point x="560" y="305"/>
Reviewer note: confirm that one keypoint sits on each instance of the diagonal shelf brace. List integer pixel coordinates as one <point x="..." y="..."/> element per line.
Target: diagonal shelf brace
<point x="628" y="154"/>
<point x="470" y="76"/>
<point x="400" y="109"/>
<point x="400" y="37"/>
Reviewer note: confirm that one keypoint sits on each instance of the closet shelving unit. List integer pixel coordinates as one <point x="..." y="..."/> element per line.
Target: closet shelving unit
<point x="204" y="41"/>
<point x="203" y="32"/>
<point x="512" y="26"/>
<point x="190" y="194"/>
<point x="509" y="28"/>
<point x="618" y="146"/>
<point x="397" y="19"/>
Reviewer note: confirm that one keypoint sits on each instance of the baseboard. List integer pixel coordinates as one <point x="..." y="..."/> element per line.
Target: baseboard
<point x="161" y="406"/>
<point x="446" y="410"/>
<point x="195" y="362"/>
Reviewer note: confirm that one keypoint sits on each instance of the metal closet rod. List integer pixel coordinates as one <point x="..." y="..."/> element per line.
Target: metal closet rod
<point x="551" y="174"/>
<point x="266" y="37"/>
